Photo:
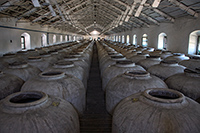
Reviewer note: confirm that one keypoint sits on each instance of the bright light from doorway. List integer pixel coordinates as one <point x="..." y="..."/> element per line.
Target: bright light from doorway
<point x="94" y="32"/>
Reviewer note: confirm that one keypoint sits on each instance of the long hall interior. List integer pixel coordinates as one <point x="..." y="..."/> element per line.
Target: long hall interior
<point x="99" y="66"/>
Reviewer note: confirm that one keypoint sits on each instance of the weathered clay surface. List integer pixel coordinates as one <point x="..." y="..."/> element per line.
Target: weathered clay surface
<point x="60" y="85"/>
<point x="178" y="57"/>
<point x="166" y="69"/>
<point x="69" y="68"/>
<point x="127" y="84"/>
<point x="22" y="70"/>
<point x="156" y="111"/>
<point x="191" y="63"/>
<point x="148" y="62"/>
<point x="187" y="83"/>
<point x="30" y="112"/>
<point x="116" y="69"/>
<point x="9" y="84"/>
<point x="138" y="57"/>
<point x="38" y="62"/>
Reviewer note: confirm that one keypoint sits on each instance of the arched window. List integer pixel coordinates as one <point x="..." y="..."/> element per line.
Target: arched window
<point x="127" y="39"/>
<point x="119" y="38"/>
<point x="194" y="43"/>
<point x="123" y="39"/>
<point x="74" y="38"/>
<point x="116" y="39"/>
<point x="144" y="40"/>
<point x="61" y="38"/>
<point x="43" y="40"/>
<point x="134" y="40"/>
<point x="54" y="38"/>
<point x="162" y="41"/>
<point x="66" y="38"/>
<point x="25" y="41"/>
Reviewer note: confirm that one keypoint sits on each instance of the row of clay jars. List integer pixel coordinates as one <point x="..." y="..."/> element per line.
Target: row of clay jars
<point x="155" y="111"/>
<point x="33" y="111"/>
<point x="129" y="83"/>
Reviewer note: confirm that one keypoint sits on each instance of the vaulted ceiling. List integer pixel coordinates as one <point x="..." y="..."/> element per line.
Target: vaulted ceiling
<point x="105" y="16"/>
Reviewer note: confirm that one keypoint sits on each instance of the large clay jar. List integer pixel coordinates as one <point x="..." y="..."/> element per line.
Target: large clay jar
<point x="149" y="61"/>
<point x="178" y="57"/>
<point x="38" y="62"/>
<point x="138" y="57"/>
<point x="111" y="61"/>
<point x="127" y="84"/>
<point x="69" y="68"/>
<point x="11" y="58"/>
<point x="119" y="68"/>
<point x="22" y="70"/>
<point x="60" y="85"/>
<point x="9" y="84"/>
<point x="29" y="112"/>
<point x="157" y="111"/>
<point x="192" y="63"/>
<point x="78" y="62"/>
<point x="165" y="54"/>
<point x="187" y="83"/>
<point x="166" y="69"/>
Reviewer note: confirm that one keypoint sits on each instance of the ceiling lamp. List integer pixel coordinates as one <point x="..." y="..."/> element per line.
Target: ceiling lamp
<point x="156" y="3"/>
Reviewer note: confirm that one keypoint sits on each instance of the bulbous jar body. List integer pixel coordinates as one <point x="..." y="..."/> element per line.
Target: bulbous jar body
<point x="69" y="68"/>
<point x="38" y="62"/>
<point x="129" y="83"/>
<point x="60" y="85"/>
<point x="178" y="57"/>
<point x="30" y="112"/>
<point x="149" y="61"/>
<point x="22" y="70"/>
<point x="138" y="57"/>
<point x="187" y="83"/>
<point x="9" y="84"/>
<point x="166" y="69"/>
<point x="78" y="62"/>
<point x="119" y="68"/>
<point x="191" y="63"/>
<point x="165" y="54"/>
<point x="110" y="61"/>
<point x="156" y="111"/>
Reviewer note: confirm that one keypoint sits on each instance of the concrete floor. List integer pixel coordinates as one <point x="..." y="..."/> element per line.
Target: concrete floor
<point x="95" y="118"/>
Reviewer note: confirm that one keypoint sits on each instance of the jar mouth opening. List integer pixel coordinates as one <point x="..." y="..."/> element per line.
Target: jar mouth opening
<point x="169" y="62"/>
<point x="117" y="57"/>
<point x="153" y="56"/>
<point x="124" y="62"/>
<point x="178" y="54"/>
<point x="22" y="52"/>
<point x="9" y="55"/>
<point x="164" y="95"/>
<point x="17" y="64"/>
<point x="26" y="98"/>
<point x="64" y="63"/>
<point x="34" y="58"/>
<point x="195" y="71"/>
<point x="137" y="73"/>
<point x="51" y="73"/>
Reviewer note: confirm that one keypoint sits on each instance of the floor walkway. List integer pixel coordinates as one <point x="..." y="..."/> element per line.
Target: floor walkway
<point x="95" y="119"/>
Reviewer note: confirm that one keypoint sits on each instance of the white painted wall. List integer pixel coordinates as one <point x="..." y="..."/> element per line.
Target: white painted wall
<point x="10" y="38"/>
<point x="177" y="33"/>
